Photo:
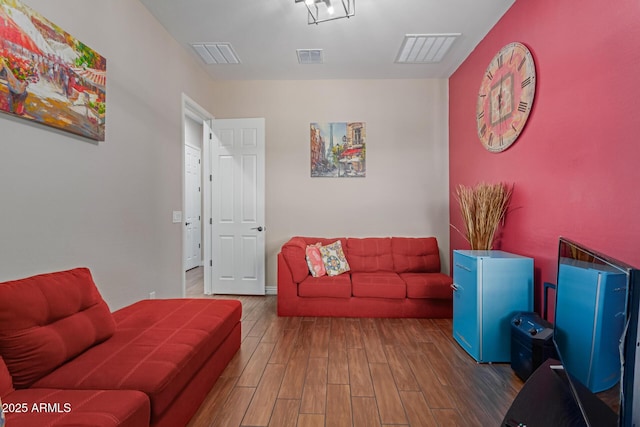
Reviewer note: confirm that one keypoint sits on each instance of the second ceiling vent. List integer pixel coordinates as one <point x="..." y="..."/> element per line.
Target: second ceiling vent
<point x="310" y="56"/>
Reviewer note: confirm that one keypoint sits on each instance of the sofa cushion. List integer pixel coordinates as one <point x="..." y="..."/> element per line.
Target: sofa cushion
<point x="415" y="255"/>
<point x="294" y="254"/>
<point x="314" y="260"/>
<point x="335" y="262"/>
<point x="6" y="383"/>
<point x="48" y="319"/>
<point x="428" y="285"/>
<point x="380" y="284"/>
<point x="370" y="254"/>
<point x="326" y="286"/>
<point x="157" y="348"/>
<point x="97" y="408"/>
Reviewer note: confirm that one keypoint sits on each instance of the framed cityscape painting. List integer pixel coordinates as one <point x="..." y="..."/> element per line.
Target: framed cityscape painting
<point x="338" y="149"/>
<point x="49" y="77"/>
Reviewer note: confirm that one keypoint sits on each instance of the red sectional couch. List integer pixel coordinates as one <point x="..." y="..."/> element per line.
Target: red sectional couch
<point x="151" y="363"/>
<point x="388" y="277"/>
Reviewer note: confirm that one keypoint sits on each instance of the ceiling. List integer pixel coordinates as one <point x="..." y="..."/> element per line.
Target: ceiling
<point x="266" y="33"/>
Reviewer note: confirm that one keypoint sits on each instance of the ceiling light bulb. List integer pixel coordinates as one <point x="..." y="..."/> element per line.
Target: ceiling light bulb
<point x="309" y="2"/>
<point x="330" y="9"/>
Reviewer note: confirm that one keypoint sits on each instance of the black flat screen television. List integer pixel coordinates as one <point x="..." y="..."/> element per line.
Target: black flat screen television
<point x="596" y="329"/>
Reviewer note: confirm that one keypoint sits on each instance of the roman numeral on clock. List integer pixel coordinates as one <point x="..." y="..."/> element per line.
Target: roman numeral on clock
<point x="522" y="107"/>
<point x="483" y="130"/>
<point x="481" y="114"/>
<point x="526" y="82"/>
<point x="489" y="75"/>
<point x="522" y="63"/>
<point x="490" y="140"/>
<point x="500" y="62"/>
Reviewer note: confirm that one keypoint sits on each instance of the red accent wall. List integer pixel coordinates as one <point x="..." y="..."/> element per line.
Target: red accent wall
<point x="576" y="166"/>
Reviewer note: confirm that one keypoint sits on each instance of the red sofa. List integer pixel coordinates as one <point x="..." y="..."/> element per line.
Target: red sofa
<point x="388" y="277"/>
<point x="65" y="359"/>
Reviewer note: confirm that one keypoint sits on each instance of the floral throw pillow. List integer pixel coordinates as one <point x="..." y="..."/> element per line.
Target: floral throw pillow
<point x="314" y="260"/>
<point x="333" y="258"/>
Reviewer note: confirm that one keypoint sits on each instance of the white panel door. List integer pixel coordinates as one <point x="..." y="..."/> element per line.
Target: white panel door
<point x="193" y="207"/>
<point x="237" y="206"/>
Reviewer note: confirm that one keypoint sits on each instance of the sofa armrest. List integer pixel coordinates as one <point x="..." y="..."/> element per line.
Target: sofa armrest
<point x="293" y="253"/>
<point x="287" y="288"/>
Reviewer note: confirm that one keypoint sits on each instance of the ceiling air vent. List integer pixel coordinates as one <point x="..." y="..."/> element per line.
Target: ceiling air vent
<point x="309" y="56"/>
<point x="425" y="48"/>
<point x="216" y="53"/>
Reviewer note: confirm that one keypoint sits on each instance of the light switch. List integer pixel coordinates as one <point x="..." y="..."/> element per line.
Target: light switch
<point x="177" y="217"/>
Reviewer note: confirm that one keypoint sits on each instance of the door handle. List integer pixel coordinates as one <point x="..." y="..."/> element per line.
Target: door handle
<point x="259" y="228"/>
<point x="187" y="223"/>
<point x="464" y="267"/>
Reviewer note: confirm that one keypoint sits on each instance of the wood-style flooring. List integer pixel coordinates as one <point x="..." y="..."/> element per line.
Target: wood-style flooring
<point x="317" y="371"/>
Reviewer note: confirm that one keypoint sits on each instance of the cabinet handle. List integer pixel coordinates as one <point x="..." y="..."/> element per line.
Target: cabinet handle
<point x="454" y="286"/>
<point x="464" y="267"/>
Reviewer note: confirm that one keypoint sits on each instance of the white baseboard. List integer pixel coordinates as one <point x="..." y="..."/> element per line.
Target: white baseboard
<point x="271" y="290"/>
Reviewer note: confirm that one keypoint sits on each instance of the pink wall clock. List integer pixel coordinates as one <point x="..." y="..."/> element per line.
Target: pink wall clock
<point x="505" y="97"/>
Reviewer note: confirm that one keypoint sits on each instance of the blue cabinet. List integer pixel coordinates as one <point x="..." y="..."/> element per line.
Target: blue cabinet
<point x="490" y="287"/>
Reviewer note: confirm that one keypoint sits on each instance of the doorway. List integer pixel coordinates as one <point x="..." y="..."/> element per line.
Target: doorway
<point x="195" y="125"/>
<point x="232" y="204"/>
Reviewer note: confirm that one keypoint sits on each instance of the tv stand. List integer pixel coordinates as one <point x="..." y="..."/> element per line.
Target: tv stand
<point x="546" y="400"/>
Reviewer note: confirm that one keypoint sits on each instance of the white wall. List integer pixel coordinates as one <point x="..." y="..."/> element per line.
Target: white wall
<point x="405" y="192"/>
<point x="67" y="202"/>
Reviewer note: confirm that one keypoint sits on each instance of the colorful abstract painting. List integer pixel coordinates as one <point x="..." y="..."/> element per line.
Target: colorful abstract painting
<point x="338" y="149"/>
<point x="49" y="77"/>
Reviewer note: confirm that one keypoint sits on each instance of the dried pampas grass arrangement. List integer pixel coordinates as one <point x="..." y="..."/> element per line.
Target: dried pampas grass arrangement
<point x="483" y="208"/>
